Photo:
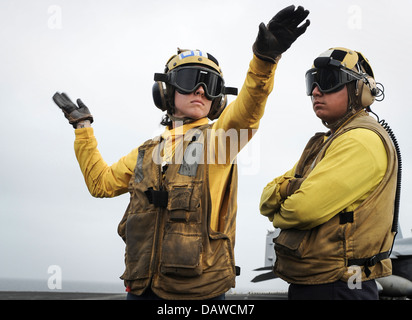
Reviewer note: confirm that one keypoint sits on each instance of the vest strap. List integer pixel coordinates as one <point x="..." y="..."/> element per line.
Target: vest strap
<point x="157" y="198"/>
<point x="369" y="262"/>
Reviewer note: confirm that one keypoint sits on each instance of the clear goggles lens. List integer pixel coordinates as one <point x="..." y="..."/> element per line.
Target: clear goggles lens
<point x="188" y="79"/>
<point x="327" y="79"/>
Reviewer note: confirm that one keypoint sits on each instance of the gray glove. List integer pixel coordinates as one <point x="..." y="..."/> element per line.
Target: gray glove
<point x="280" y="33"/>
<point x="71" y="111"/>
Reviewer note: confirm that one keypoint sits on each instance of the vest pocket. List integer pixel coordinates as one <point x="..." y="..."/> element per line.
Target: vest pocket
<point x="140" y="229"/>
<point x="179" y="198"/>
<point x="289" y="242"/>
<point x="183" y="204"/>
<point x="181" y="255"/>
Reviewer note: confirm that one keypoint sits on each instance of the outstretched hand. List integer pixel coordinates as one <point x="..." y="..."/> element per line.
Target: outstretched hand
<point x="74" y="113"/>
<point x="280" y="33"/>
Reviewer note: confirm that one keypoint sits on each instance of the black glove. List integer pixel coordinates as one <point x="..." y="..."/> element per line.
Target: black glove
<point x="280" y="33"/>
<point x="71" y="111"/>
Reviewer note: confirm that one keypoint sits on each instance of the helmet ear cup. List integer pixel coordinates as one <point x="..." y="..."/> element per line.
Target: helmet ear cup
<point x="159" y="95"/>
<point x="218" y="105"/>
<point x="366" y="91"/>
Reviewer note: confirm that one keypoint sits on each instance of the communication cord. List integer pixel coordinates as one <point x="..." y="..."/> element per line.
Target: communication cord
<point x="385" y="125"/>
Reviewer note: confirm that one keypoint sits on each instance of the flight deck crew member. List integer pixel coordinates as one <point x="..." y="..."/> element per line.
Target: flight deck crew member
<point x="335" y="207"/>
<point x="179" y="227"/>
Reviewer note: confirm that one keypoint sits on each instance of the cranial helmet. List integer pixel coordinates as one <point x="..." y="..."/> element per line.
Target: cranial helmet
<point x="186" y="72"/>
<point x="338" y="66"/>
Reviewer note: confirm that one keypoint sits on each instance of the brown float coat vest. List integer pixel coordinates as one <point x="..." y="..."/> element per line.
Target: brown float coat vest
<point x="169" y="243"/>
<point x="362" y="237"/>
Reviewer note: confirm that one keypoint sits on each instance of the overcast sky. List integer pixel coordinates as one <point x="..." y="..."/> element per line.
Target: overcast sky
<point x="106" y="52"/>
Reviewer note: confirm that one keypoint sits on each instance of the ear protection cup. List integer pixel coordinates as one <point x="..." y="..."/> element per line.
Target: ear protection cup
<point x="159" y="95"/>
<point x="218" y="105"/>
<point x="366" y="91"/>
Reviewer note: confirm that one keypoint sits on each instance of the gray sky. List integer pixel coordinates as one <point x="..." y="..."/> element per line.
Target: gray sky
<point x="106" y="52"/>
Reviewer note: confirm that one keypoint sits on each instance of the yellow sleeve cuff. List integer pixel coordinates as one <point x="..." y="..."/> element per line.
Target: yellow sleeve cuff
<point x="84" y="133"/>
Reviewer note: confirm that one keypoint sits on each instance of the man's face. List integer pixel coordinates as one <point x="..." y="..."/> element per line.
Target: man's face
<point x="330" y="107"/>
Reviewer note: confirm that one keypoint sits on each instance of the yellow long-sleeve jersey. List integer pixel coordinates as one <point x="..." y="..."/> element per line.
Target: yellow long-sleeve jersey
<point x="242" y="114"/>
<point x="352" y="168"/>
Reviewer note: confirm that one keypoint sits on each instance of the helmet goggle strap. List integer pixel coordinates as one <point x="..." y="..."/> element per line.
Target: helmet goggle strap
<point x="329" y="75"/>
<point x="329" y="80"/>
<point x="188" y="79"/>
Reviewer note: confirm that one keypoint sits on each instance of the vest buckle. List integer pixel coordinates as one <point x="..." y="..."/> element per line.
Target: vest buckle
<point x="345" y="217"/>
<point x="157" y="198"/>
<point x="371" y="261"/>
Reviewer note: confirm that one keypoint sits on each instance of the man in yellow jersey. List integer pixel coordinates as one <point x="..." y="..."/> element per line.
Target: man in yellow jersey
<point x="335" y="207"/>
<point x="179" y="227"/>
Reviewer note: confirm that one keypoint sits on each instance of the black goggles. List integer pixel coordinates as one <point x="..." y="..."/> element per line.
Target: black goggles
<point x="188" y="79"/>
<point x="328" y="80"/>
